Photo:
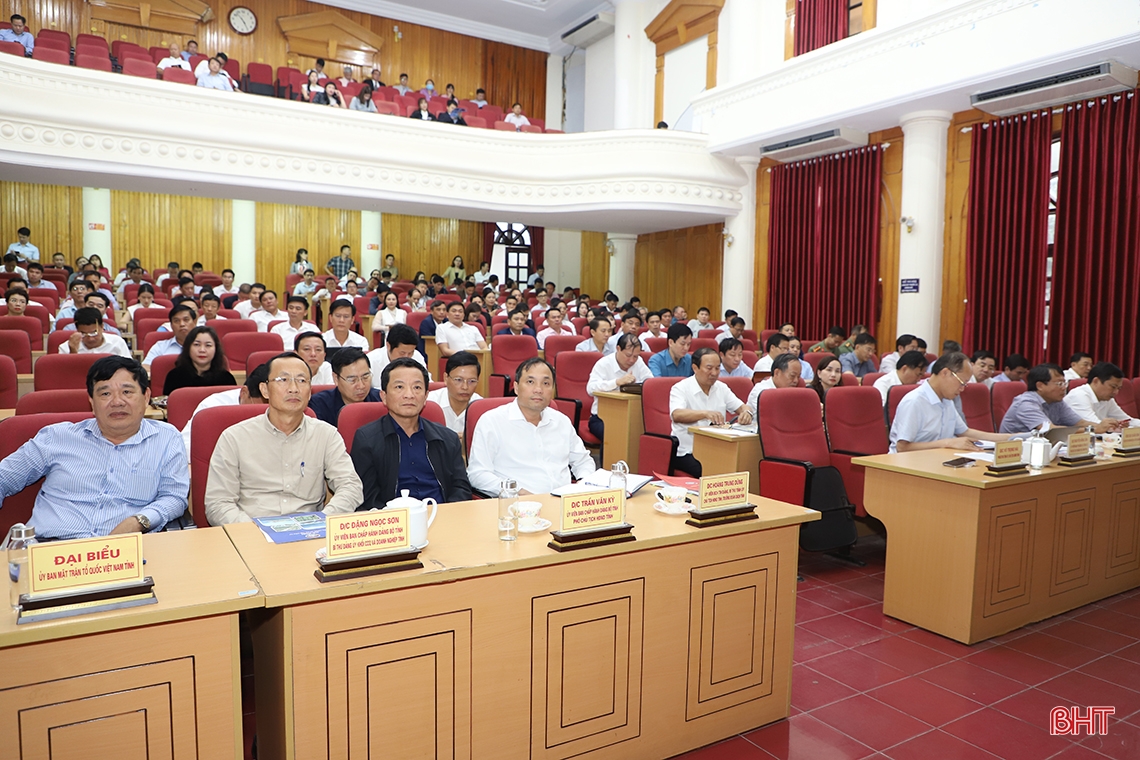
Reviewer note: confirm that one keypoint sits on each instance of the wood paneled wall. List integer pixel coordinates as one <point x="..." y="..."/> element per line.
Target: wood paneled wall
<point x="595" y="279"/>
<point x="758" y="319"/>
<point x="429" y="244"/>
<point x="680" y="267"/>
<point x="159" y="228"/>
<point x="52" y="212"/>
<point x="507" y="72"/>
<point x="282" y="229"/>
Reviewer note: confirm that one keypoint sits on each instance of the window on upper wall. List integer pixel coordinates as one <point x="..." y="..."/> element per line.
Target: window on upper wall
<point x="1054" y="173"/>
<point x="854" y="17"/>
<point x="515" y="239"/>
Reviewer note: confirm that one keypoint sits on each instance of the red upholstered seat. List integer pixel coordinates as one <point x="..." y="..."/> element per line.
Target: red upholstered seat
<point x="503" y="126"/>
<point x="62" y="400"/>
<point x="894" y="396"/>
<point x="30" y="325"/>
<point x="85" y="60"/>
<point x="384" y="106"/>
<point x="14" y="48"/>
<point x="474" y="411"/>
<point x="257" y="358"/>
<point x="51" y="55"/>
<point x="530" y="128"/>
<point x="9" y="383"/>
<point x="149" y="321"/>
<point x="181" y="404"/>
<point x="869" y="378"/>
<point x="1073" y="384"/>
<point x="355" y="416"/>
<point x="224" y="327"/>
<point x="976" y="407"/>
<point x="1127" y="398"/>
<point x="239" y="345"/>
<point x="49" y="299"/>
<point x="14" y="433"/>
<point x="16" y="345"/>
<point x="159" y="368"/>
<point x="855" y="427"/>
<point x="1001" y="396"/>
<point x="139" y="67"/>
<point x="815" y="359"/>
<point x="208" y="426"/>
<point x="507" y="353"/>
<point x="179" y="76"/>
<point x="475" y="121"/>
<point x="741" y="387"/>
<point x="657" y="444"/>
<point x="556" y="344"/>
<point x="792" y="437"/>
<point x="37" y="310"/>
<point x="55" y="371"/>
<point x="573" y="370"/>
<point x="657" y="345"/>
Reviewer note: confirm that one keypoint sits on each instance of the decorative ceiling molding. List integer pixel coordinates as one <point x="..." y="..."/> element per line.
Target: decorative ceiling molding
<point x="329" y="35"/>
<point x="181" y="16"/>
<point x="681" y="21"/>
<point x="73" y="126"/>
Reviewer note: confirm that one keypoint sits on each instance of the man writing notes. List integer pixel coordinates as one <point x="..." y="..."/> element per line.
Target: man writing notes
<point x="404" y="452"/>
<point x="527" y="440"/>
<point x="701" y="400"/>
<point x="1096" y="400"/>
<point x="140" y="481"/>
<point x="283" y="461"/>
<point x="926" y="418"/>
<point x="1045" y="402"/>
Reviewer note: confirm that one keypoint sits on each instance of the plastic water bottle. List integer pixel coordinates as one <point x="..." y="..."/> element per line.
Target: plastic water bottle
<point x="19" y="538"/>
<point x="508" y="517"/>
<point x="618" y="479"/>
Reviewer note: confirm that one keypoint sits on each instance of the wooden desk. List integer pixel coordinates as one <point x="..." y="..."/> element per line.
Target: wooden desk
<point x="431" y="355"/>
<point x="25" y="383"/>
<point x="971" y="557"/>
<point x="366" y="329"/>
<point x="720" y="453"/>
<point x="6" y="413"/>
<point x="510" y="650"/>
<point x="156" y="681"/>
<point x="621" y="413"/>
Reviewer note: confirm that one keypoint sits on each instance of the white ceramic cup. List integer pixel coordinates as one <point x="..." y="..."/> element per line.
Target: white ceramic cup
<point x="673" y="497"/>
<point x="527" y="513"/>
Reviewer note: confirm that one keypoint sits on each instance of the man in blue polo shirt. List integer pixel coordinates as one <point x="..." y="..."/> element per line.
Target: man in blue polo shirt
<point x="674" y="361"/>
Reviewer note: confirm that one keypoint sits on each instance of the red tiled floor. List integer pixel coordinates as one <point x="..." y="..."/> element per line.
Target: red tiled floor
<point x="871" y="722"/>
<point x="809" y="646"/>
<point x="1115" y="670"/>
<point x="1047" y="646"/>
<point x="844" y="630"/>
<point x="937" y="744"/>
<point x="1007" y="737"/>
<point x="1090" y="636"/>
<point x="812" y="689"/>
<point x="1125" y="605"/>
<point x="869" y="585"/>
<point x="1031" y="706"/>
<point x="1112" y="621"/>
<point x="1077" y="752"/>
<point x="925" y="701"/>
<point x="1131" y="653"/>
<point x="1015" y="665"/>
<point x="941" y="643"/>
<point x="835" y="598"/>
<point x="904" y="654"/>
<point x="1077" y="688"/>
<point x="1122" y="741"/>
<point x="971" y="681"/>
<point x="873" y="616"/>
<point x="736" y="748"/>
<point x="856" y="670"/>
<point x="808" y="610"/>
<point x="803" y="737"/>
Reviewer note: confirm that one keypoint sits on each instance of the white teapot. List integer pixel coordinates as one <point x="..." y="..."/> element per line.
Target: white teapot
<point x="418" y="519"/>
<point x="1036" y="451"/>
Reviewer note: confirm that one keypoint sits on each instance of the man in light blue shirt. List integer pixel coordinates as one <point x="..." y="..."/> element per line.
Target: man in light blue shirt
<point x="23" y="246"/>
<point x="19" y="33"/>
<point x="116" y="473"/>
<point x="926" y="418"/>
<point x="732" y="359"/>
<point x="1045" y="402"/>
<point x="674" y="361"/>
<point x="859" y="362"/>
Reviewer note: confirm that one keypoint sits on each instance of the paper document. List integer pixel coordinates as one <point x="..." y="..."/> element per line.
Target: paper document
<point x="286" y="529"/>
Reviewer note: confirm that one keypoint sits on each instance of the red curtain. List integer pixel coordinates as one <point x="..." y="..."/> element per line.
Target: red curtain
<point x="537" y="246"/>
<point x="823" y="242"/>
<point x="1096" y="250"/>
<point x="489" y="230"/>
<point x="1006" y="242"/>
<point x="819" y="23"/>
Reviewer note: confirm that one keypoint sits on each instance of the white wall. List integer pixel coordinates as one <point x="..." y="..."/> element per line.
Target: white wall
<point x="599" y="86"/>
<point x="563" y="258"/>
<point x="686" y="70"/>
<point x="575" y="92"/>
<point x="553" y="115"/>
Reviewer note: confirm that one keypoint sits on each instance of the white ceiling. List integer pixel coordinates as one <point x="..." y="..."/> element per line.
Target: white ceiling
<point x="536" y="24"/>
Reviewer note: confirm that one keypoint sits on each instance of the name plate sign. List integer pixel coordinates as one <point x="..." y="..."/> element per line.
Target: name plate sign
<point x="721" y="491"/>
<point x="1079" y="445"/>
<point x="367" y="532"/>
<point x="1130" y="438"/>
<point x="85" y="562"/>
<point x="1007" y="454"/>
<point x="595" y="509"/>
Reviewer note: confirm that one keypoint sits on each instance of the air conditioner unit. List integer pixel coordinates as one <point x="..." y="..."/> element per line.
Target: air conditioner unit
<point x="1087" y="82"/>
<point x="819" y="144"/>
<point x="590" y="31"/>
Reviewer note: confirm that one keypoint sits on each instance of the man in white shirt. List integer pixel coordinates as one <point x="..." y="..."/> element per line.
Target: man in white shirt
<point x="623" y="367"/>
<point x="776" y="345"/>
<point x="554" y="326"/>
<point x="539" y="309"/>
<point x="211" y="305"/>
<point x="227" y="288"/>
<point x="1080" y="364"/>
<point x="599" y="340"/>
<point x="908" y="371"/>
<point x="402" y="87"/>
<point x="538" y="274"/>
<point x="984" y="365"/>
<point x="172" y="269"/>
<point x="480" y="98"/>
<point x="483" y="274"/>
<point x="250" y="393"/>
<point x="732" y="362"/>
<point x="653" y="322"/>
<point x="248" y="307"/>
<point x="296" y="308"/>
<point x="89" y="337"/>
<point x="348" y="77"/>
<point x="12" y="264"/>
<point x="455" y="335"/>
<point x="527" y="440"/>
<point x="461" y="377"/>
<point x="1096" y="400"/>
<point x="341" y="316"/>
<point x="311" y="347"/>
<point x="268" y="312"/>
<point x="401" y="344"/>
<point x="516" y="118"/>
<point x="702" y="322"/>
<point x="906" y="342"/>
<point x="701" y="400"/>
<point x="182" y="321"/>
<point x="785" y="374"/>
<point x="630" y="325"/>
<point x="175" y="59"/>
<point x="134" y="276"/>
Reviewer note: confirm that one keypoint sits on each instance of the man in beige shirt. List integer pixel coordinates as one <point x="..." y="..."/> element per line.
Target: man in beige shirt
<point x="280" y="462"/>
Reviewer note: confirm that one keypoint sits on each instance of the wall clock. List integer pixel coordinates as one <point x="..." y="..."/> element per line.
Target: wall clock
<point x="243" y="20"/>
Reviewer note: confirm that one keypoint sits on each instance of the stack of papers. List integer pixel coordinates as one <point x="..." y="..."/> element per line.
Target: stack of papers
<point x="599" y="480"/>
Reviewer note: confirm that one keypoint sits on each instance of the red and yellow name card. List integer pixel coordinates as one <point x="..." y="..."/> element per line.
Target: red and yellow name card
<point x="722" y="491"/>
<point x="1079" y="445"/>
<point x="85" y="562"/>
<point x="367" y="532"/>
<point x="1130" y="438"/>
<point x="596" y="509"/>
<point x="1007" y="454"/>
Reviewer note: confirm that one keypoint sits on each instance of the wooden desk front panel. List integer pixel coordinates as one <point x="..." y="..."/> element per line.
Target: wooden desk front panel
<point x="641" y="654"/>
<point x="163" y="691"/>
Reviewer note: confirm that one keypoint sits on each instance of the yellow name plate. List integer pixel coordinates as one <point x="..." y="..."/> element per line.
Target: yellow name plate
<point x="721" y="491"/>
<point x="85" y="562"/>
<point x="366" y="532"/>
<point x="1130" y="438"/>
<point x="1007" y="454"/>
<point x="1079" y="444"/>
<point x="596" y="509"/>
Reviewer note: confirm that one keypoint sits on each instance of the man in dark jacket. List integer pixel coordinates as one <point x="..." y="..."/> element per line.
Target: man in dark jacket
<point x="403" y="451"/>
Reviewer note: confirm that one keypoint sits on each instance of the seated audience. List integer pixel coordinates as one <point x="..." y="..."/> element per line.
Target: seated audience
<point x="1096" y="399"/>
<point x="554" y="326"/>
<point x="348" y="77"/>
<point x="146" y="300"/>
<point x="926" y="418"/>
<point x="214" y="78"/>
<point x="373" y="80"/>
<point x="674" y="361"/>
<point x="402" y="87"/>
<point x="700" y="400"/>
<point x="269" y="311"/>
<point x="906" y="342"/>
<point x="453" y="114"/>
<point x="296" y="307"/>
<point x="527" y="440"/>
<point x="623" y="367"/>
<point x="318" y="69"/>
<point x="1079" y="365"/>
<point x="828" y="374"/>
<point x="1013" y="369"/>
<point x="516" y="118"/>
<point x="786" y="370"/>
<point x="455" y="334"/>
<point x="329" y="95"/>
<point x="353" y="375"/>
<point x="516" y="323"/>
<point x="36" y="279"/>
<point x="175" y="59"/>
<point x="363" y="101"/>
<point x="404" y="453"/>
<point x="984" y="364"/>
<point x="776" y="345"/>
<point x="656" y="330"/>
<point x="600" y="331"/>
<point x="702" y="322"/>
<point x="140" y="482"/>
<point x="461" y="377"/>
<point x="211" y="305"/>
<point x="480" y="98"/>
<point x="306" y="287"/>
<point x="281" y="462"/>
<point x="795" y="348"/>
<point x="201" y="363"/>
<point x="422" y="113"/>
<point x="310" y="346"/>
<point x="859" y="361"/>
<point x="19" y="33"/>
<point x="401" y="344"/>
<point x="248" y="393"/>
<point x="341" y="316"/>
<point x="247" y="306"/>
<point x="732" y="359"/>
<point x="89" y="337"/>
<point x="428" y="90"/>
<point x="390" y="314"/>
<point x="834" y="339"/>
<point x="1044" y="402"/>
<point x="630" y="325"/>
<point x="908" y="370"/>
<point x="182" y="319"/>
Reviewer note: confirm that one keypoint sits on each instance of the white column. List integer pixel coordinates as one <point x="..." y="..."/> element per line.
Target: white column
<point x="738" y="51"/>
<point x="622" y="249"/>
<point x="739" y="263"/>
<point x="96" y="226"/>
<point x="634" y="66"/>
<point x="243" y="249"/>
<point x="370" y="253"/>
<point x="553" y="115"/>
<point x="923" y="200"/>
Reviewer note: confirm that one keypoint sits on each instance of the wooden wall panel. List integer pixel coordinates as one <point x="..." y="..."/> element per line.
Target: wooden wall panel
<point x="680" y="267"/>
<point x="758" y="320"/>
<point x="159" y="228"/>
<point x="512" y="73"/>
<point x="595" y="279"/>
<point x="53" y="213"/>
<point x="429" y="244"/>
<point x="282" y="229"/>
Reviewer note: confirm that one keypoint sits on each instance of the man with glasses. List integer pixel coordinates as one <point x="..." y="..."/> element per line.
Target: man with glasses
<point x="353" y="376"/>
<point x="926" y="418"/>
<point x="1045" y="402"/>
<point x="1096" y="400"/>
<point x="89" y="337"/>
<point x="280" y="462"/>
